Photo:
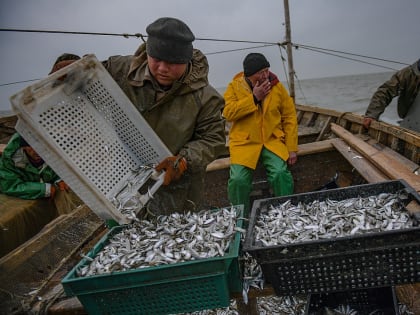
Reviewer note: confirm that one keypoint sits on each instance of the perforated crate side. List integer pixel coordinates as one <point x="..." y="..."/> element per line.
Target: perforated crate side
<point x="88" y="131"/>
<point x="175" y="288"/>
<point x="380" y="300"/>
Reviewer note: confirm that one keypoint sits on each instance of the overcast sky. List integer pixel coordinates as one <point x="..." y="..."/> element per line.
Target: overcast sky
<point x="386" y="29"/>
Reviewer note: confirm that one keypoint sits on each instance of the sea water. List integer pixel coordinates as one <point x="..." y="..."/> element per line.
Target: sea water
<point x="350" y="93"/>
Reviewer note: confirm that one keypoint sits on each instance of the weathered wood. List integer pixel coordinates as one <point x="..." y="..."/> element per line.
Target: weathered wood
<point x="325" y="129"/>
<point x="365" y="168"/>
<point x="385" y="163"/>
<point x="303" y="149"/>
<point x="407" y="162"/>
<point x="414" y="208"/>
<point x="315" y="147"/>
<point x="66" y="307"/>
<point x="30" y="266"/>
<point x="2" y="147"/>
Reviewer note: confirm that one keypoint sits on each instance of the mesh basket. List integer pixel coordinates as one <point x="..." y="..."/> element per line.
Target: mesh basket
<point x="88" y="131"/>
<point x="380" y="300"/>
<point x="337" y="264"/>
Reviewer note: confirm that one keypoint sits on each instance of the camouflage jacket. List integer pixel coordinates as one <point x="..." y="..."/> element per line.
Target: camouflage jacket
<point x="404" y="83"/>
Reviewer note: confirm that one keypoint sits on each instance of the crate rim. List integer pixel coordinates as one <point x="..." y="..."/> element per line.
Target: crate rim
<point x="249" y="244"/>
<point x="71" y="277"/>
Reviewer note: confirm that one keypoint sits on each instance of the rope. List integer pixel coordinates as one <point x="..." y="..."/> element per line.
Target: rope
<point x="284" y="67"/>
<point x="263" y="44"/>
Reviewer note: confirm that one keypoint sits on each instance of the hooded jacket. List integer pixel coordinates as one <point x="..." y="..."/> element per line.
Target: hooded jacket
<point x="19" y="178"/>
<point x="405" y="83"/>
<point x="187" y="118"/>
<point x="273" y="124"/>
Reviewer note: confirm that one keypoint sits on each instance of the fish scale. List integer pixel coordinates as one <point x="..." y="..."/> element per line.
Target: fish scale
<point x="288" y="223"/>
<point x="167" y="240"/>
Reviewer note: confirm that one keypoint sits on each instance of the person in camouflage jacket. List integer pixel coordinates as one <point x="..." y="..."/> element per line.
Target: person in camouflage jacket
<point x="166" y="80"/>
<point x="405" y="84"/>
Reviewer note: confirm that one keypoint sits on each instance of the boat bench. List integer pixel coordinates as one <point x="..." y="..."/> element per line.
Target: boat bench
<point x="21" y="219"/>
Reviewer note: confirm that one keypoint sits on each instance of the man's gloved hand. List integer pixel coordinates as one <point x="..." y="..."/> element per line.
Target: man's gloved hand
<point x="367" y="121"/>
<point x="63" y="186"/>
<point x="174" y="167"/>
<point x="52" y="191"/>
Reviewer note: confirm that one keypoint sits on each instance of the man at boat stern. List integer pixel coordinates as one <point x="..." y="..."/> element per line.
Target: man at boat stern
<point x="264" y="129"/>
<point x="405" y="84"/>
<point x="167" y="81"/>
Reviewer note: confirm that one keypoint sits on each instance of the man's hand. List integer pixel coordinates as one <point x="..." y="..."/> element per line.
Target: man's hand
<point x="52" y="191"/>
<point x="367" y="121"/>
<point x="292" y="158"/>
<point x="260" y="91"/>
<point x="63" y="186"/>
<point x="174" y="167"/>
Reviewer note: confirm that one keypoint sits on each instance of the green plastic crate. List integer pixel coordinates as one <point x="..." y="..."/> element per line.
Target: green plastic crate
<point x="167" y="289"/>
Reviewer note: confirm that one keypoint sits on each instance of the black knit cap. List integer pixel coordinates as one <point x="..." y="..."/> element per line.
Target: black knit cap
<point x="253" y="63"/>
<point x="170" y="40"/>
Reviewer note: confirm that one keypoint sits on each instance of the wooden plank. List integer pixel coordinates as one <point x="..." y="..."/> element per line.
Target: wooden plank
<point x="393" y="168"/>
<point x="303" y="149"/>
<point x="366" y="169"/>
<point x="308" y="131"/>
<point x="405" y="161"/>
<point x="2" y="147"/>
<point x="315" y="147"/>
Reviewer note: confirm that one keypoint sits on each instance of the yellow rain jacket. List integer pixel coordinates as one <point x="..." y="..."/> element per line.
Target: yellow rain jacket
<point x="272" y="125"/>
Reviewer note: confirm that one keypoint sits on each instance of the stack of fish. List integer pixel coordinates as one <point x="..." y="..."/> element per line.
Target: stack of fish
<point x="288" y="223"/>
<point x="167" y="240"/>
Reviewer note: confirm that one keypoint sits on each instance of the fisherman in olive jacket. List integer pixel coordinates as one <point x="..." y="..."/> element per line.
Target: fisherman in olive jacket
<point x="166" y="80"/>
<point x="405" y="84"/>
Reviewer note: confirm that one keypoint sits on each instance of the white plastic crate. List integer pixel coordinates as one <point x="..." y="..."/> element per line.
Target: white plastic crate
<point x="84" y="126"/>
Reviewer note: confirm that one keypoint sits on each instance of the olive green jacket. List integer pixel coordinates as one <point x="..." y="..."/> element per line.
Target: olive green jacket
<point x="187" y="118"/>
<point x="19" y="178"/>
<point x="404" y="83"/>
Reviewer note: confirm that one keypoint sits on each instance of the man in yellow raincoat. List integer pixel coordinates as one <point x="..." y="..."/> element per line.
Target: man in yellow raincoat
<point x="264" y="127"/>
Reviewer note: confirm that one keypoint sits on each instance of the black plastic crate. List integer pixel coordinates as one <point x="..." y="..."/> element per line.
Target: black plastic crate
<point x="361" y="261"/>
<point x="380" y="301"/>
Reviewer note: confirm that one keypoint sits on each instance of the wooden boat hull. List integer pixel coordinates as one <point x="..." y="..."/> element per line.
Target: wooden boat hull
<point x="323" y="159"/>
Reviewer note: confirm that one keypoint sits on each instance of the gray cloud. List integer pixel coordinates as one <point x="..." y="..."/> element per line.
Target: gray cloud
<point x="385" y="29"/>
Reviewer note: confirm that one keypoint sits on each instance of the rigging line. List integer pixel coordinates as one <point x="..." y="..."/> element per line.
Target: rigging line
<point x="284" y="67"/>
<point x="138" y="35"/>
<point x="4" y="84"/>
<point x="301" y="90"/>
<point x="353" y="59"/>
<point x="346" y="53"/>
<point x="213" y="53"/>
<point x="294" y="73"/>
<point x="126" y="35"/>
<point x="238" y="49"/>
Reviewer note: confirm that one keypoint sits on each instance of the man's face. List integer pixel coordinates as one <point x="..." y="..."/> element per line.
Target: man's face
<point x="33" y="156"/>
<point x="260" y="76"/>
<point x="164" y="72"/>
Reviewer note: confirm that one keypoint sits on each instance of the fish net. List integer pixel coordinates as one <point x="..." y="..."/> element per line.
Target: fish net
<point x="28" y="270"/>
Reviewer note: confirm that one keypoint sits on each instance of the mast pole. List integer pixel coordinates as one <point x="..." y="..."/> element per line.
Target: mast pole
<point x="289" y="50"/>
